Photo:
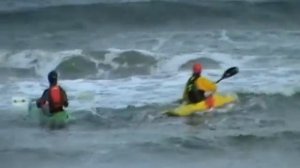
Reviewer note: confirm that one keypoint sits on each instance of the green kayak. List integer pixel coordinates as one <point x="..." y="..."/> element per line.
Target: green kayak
<point x="57" y="120"/>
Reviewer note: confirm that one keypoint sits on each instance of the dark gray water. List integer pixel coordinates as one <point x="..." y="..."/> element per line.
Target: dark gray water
<point x="124" y="63"/>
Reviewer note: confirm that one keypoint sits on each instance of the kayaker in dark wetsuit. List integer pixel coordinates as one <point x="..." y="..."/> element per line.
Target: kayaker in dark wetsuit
<point x="199" y="88"/>
<point x="54" y="96"/>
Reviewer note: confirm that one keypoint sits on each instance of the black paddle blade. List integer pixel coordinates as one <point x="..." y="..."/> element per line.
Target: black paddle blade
<point x="230" y="72"/>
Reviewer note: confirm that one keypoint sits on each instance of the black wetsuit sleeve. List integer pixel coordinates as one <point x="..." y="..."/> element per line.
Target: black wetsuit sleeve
<point x="65" y="97"/>
<point x="43" y="98"/>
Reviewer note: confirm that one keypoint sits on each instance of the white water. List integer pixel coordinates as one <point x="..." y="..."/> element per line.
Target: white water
<point x="139" y="91"/>
<point x="259" y="73"/>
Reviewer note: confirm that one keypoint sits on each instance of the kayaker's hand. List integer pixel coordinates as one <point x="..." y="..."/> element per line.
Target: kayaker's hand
<point x="66" y="104"/>
<point x="207" y="94"/>
<point x="40" y="103"/>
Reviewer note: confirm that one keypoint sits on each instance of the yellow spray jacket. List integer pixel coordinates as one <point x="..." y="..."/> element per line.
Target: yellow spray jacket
<point x="201" y="83"/>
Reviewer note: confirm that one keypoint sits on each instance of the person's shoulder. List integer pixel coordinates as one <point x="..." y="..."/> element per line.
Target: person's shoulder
<point x="61" y="88"/>
<point x="45" y="92"/>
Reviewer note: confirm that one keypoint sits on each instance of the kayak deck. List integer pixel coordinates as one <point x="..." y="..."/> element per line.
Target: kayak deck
<point x="189" y="109"/>
<point x="57" y="120"/>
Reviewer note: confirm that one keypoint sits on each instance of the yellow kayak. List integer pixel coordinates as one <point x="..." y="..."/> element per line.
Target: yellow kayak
<point x="189" y="109"/>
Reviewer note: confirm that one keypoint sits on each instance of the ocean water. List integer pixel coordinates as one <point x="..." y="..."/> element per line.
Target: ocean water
<point x="123" y="63"/>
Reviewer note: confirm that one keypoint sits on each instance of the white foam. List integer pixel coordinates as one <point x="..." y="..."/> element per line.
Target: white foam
<point x="258" y="74"/>
<point x="173" y="64"/>
<point x="45" y="61"/>
<point x="139" y="91"/>
<point x="225" y="37"/>
<point x="42" y="61"/>
<point x="159" y="45"/>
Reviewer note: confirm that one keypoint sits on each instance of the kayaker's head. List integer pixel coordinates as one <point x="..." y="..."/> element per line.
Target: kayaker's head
<point x="197" y="69"/>
<point x="52" y="77"/>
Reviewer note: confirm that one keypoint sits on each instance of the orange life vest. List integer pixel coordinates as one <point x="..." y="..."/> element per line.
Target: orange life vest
<point x="56" y="96"/>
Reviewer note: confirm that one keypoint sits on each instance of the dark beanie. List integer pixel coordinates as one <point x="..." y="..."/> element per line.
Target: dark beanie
<point x="52" y="77"/>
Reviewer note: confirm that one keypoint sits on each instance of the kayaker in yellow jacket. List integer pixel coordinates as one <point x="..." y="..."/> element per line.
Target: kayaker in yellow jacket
<point x="199" y="88"/>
